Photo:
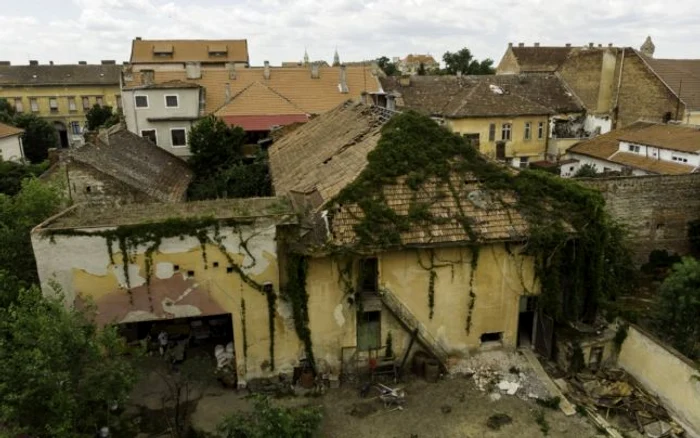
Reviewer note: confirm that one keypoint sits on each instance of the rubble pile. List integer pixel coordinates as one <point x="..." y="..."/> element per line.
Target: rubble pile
<point x="614" y="392"/>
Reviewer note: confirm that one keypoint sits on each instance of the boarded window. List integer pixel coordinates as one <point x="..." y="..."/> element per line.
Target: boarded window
<point x="86" y="103"/>
<point x="53" y="104"/>
<point x="492" y="132"/>
<point x="369" y="330"/>
<point x="71" y="104"/>
<point x="34" y="105"/>
<point x="501" y="150"/>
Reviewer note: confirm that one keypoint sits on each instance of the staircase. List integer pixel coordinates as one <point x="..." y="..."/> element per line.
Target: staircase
<point x="411" y="323"/>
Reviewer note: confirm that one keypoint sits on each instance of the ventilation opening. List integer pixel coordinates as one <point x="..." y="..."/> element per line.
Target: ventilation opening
<point x="229" y="269"/>
<point x="176" y="268"/>
<point x="491" y="337"/>
<point x="190" y="273"/>
<point x="215" y="264"/>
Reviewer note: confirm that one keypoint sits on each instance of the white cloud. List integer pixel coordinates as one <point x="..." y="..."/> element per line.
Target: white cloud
<point x="279" y="30"/>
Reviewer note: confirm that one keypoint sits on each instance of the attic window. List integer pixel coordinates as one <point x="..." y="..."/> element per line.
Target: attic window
<point x="163" y="49"/>
<point x="217" y="50"/>
<point x="495" y="89"/>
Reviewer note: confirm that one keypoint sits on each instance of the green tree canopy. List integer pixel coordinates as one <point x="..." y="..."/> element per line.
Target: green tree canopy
<point x="388" y="67"/>
<point x="464" y="62"/>
<point x="267" y="420"/>
<point x="60" y="376"/>
<point x="100" y="116"/>
<point x="214" y="145"/>
<point x="679" y="307"/>
<point x="39" y="136"/>
<point x="7" y="112"/>
<point x="586" y="171"/>
<point x="12" y="174"/>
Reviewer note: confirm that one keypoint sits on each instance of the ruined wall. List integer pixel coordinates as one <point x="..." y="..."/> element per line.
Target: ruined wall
<point x="187" y="280"/>
<point x="500" y="280"/>
<point x="643" y="95"/>
<point x="656" y="209"/>
<point x="85" y="184"/>
<point x="665" y="372"/>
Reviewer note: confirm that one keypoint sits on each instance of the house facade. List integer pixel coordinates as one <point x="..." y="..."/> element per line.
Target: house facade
<point x="61" y="94"/>
<point x="411" y="64"/>
<point x="642" y="148"/>
<point x="11" y="143"/>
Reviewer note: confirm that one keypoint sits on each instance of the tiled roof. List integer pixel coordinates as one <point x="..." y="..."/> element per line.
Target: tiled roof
<point x="143" y="51"/>
<point x="264" y="123"/>
<point x="417" y="59"/>
<point x="137" y="163"/>
<point x="59" y="75"/>
<point x="487" y="95"/>
<point x="258" y="99"/>
<point x="8" y="130"/>
<point x="675" y="137"/>
<point x="681" y="75"/>
<point x="540" y="59"/>
<point x="312" y="96"/>
<point x="174" y="84"/>
<point x="606" y="147"/>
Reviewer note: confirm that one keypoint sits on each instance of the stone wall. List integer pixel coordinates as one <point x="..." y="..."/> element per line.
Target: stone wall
<point x="656" y="209"/>
<point x="86" y="184"/>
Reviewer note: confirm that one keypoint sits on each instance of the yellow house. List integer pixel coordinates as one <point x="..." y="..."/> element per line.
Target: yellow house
<point x="507" y="117"/>
<point x="61" y="94"/>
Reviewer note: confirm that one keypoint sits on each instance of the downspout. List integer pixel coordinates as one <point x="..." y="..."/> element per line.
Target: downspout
<point x="617" y="92"/>
<point x="678" y="102"/>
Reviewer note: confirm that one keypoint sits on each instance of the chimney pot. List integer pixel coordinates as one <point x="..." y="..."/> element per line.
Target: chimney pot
<point x="108" y="62"/>
<point x="510" y="44"/>
<point x="521" y="44"/>
<point x="138" y="38"/>
<point x="590" y="45"/>
<point x="266" y="71"/>
<point x="600" y="45"/>
<point x="82" y="62"/>
<point x="568" y="44"/>
<point x="537" y="44"/>
<point x="609" y="44"/>
<point x="50" y="62"/>
<point x="5" y="63"/>
<point x="33" y="62"/>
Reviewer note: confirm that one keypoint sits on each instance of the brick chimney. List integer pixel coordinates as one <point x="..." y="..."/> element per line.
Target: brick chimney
<point x="108" y="62"/>
<point x="50" y="62"/>
<point x="82" y="62"/>
<point x="343" y="85"/>
<point x="138" y="38"/>
<point x="315" y="74"/>
<point x="33" y="62"/>
<point x="521" y="44"/>
<point x="537" y="44"/>
<point x="510" y="44"/>
<point x="590" y="45"/>
<point x="266" y="71"/>
<point x="568" y="44"/>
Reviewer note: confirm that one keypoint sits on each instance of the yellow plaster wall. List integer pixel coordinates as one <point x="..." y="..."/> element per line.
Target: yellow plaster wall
<point x="535" y="148"/>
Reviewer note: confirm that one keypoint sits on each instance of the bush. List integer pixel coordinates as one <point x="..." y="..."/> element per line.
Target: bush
<point x="271" y="421"/>
<point x="679" y="307"/>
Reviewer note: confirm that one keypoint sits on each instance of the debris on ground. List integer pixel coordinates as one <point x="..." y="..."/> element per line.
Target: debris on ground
<point x="496" y="421"/>
<point x="614" y="392"/>
<point x="362" y="410"/>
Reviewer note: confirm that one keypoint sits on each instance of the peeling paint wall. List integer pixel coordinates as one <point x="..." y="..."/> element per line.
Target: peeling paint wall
<point x="182" y="284"/>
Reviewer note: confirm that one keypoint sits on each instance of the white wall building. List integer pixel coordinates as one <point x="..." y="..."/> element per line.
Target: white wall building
<point x="11" y="143"/>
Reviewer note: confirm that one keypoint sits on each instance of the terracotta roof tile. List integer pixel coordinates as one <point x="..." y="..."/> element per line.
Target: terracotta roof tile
<point x="8" y="130"/>
<point x="143" y="51"/>
<point x="675" y="71"/>
<point x="258" y="99"/>
<point x="650" y="164"/>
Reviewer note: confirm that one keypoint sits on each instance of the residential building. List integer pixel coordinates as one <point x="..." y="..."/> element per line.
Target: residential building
<point x="642" y="148"/>
<point x="411" y="64"/>
<point x="11" y="143"/>
<point x="120" y="167"/>
<point x="617" y="85"/>
<point x="168" y="55"/>
<point x="511" y="118"/>
<point x="61" y="94"/>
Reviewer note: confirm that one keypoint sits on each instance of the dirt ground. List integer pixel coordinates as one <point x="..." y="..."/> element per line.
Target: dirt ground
<point x="452" y="407"/>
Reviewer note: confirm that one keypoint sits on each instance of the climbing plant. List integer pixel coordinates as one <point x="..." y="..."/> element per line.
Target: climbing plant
<point x="580" y="257"/>
<point x="295" y="293"/>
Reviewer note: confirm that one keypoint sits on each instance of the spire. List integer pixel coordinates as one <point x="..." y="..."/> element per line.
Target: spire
<point x="336" y="58"/>
<point x="648" y="48"/>
<point x="306" y="57"/>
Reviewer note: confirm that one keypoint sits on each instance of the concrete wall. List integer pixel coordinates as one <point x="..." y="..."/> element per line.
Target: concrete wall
<point x="656" y="209"/>
<point x="501" y="278"/>
<point x="11" y="148"/>
<point x="82" y="267"/>
<point x="665" y="372"/>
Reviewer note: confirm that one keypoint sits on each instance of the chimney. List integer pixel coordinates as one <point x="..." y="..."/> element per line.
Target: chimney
<point x="510" y="44"/>
<point x="266" y="71"/>
<point x="125" y="62"/>
<point x="50" y="62"/>
<point x="231" y="67"/>
<point x="82" y="62"/>
<point x="521" y="44"/>
<point x="108" y="62"/>
<point x="138" y="38"/>
<point x="600" y="45"/>
<point x="568" y="44"/>
<point x="5" y="63"/>
<point x="227" y="92"/>
<point x="590" y="45"/>
<point x="33" y="62"/>
<point x="315" y="74"/>
<point x="537" y="44"/>
<point x="343" y="85"/>
<point x="610" y="45"/>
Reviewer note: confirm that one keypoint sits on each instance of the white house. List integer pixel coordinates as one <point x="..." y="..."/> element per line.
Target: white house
<point x="163" y="113"/>
<point x="11" y="143"/>
<point x="642" y="148"/>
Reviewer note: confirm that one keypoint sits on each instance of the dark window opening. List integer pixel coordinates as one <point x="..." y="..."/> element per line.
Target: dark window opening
<point x="472" y="139"/>
<point x="190" y="273"/>
<point x="88" y="189"/>
<point x="176" y="267"/>
<point x="215" y="264"/>
<point x="149" y="134"/>
<point x="491" y="337"/>
<point x="369" y="275"/>
<point x="229" y="269"/>
<point x="369" y="330"/>
<point x="500" y="150"/>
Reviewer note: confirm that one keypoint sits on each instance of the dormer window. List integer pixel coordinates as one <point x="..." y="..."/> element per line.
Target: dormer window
<point x="217" y="50"/>
<point x="163" y="50"/>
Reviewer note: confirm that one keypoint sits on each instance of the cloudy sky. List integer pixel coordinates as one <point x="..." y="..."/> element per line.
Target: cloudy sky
<point x="66" y="31"/>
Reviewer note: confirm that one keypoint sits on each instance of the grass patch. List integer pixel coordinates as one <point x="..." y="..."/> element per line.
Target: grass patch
<point x="541" y="420"/>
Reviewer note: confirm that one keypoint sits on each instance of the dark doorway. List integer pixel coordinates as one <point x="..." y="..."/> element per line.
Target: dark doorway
<point x="526" y="320"/>
<point x="62" y="134"/>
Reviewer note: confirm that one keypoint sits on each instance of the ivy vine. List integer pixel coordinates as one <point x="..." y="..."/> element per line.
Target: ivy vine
<point x="244" y="329"/>
<point x="296" y="294"/>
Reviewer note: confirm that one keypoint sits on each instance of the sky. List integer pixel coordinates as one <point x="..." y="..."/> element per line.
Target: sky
<point x="67" y="31"/>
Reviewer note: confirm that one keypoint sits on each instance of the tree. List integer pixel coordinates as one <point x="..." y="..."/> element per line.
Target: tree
<point x="100" y="116"/>
<point x="214" y="146"/>
<point x="268" y="421"/>
<point x="60" y="376"/>
<point x="679" y="307"/>
<point x="39" y="136"/>
<point x="464" y="62"/>
<point x="12" y="174"/>
<point x="7" y="112"/>
<point x="241" y="180"/>
<point x="421" y="69"/>
<point x="586" y="171"/>
<point x="388" y="67"/>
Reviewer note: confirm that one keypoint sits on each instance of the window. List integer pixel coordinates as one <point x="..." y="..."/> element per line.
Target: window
<point x="53" y="104"/>
<point x="633" y="148"/>
<point x="71" y="104"/>
<point x="491" y="337"/>
<point x="492" y="132"/>
<point x="171" y="101"/>
<point x="75" y="128"/>
<point x="369" y="275"/>
<point x="150" y="134"/>
<point x="99" y="101"/>
<point x="523" y="162"/>
<point x="178" y="137"/>
<point x="540" y="130"/>
<point x="34" y="105"/>
<point x="18" y="105"/>
<point x="86" y="103"/>
<point x="679" y="159"/>
<point x="141" y="101"/>
<point x="472" y="139"/>
<point x="118" y="98"/>
<point x="505" y="131"/>
<point x="368" y="330"/>
<point x="528" y="130"/>
<point x="500" y="150"/>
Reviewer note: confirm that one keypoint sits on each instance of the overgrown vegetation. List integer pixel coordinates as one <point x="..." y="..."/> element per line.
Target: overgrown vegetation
<point x="100" y="116"/>
<point x="580" y="255"/>
<point x="586" y="171"/>
<point x="38" y="135"/>
<point x="267" y="420"/>
<point x="295" y="293"/>
<point x="549" y="402"/>
<point x="220" y="168"/>
<point x="12" y="174"/>
<point x="464" y="62"/>
<point x="541" y="420"/>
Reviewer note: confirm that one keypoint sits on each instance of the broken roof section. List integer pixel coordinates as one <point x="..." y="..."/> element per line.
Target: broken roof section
<point x="483" y="96"/>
